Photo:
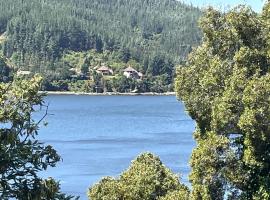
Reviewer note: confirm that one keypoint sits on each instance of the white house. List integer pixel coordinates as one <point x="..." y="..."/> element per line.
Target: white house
<point x="130" y="72"/>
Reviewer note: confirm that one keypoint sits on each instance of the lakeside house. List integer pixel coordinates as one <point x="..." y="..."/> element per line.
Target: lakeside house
<point x="75" y="70"/>
<point x="77" y="73"/>
<point x="105" y="71"/>
<point x="130" y="72"/>
<point x="23" y="73"/>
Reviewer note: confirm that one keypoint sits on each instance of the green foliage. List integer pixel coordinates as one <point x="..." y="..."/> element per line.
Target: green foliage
<point x="180" y="194"/>
<point x="81" y="86"/>
<point x="148" y="25"/>
<point x="5" y="71"/>
<point x="146" y="179"/>
<point x="21" y="155"/>
<point x="38" y="34"/>
<point x="225" y="86"/>
<point x="85" y="64"/>
<point x="123" y="84"/>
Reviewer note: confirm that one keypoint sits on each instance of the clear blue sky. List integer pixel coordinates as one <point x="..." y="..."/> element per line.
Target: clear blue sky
<point x="255" y="4"/>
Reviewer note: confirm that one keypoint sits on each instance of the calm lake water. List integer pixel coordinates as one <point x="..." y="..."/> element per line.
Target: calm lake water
<point x="98" y="136"/>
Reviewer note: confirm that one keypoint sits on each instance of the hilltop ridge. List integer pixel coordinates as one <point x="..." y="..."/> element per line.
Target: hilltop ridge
<point x="40" y="33"/>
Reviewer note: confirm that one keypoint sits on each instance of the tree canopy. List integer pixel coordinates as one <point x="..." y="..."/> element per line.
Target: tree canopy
<point x="39" y="32"/>
<point x="146" y="179"/>
<point x="225" y="86"/>
<point x="22" y="156"/>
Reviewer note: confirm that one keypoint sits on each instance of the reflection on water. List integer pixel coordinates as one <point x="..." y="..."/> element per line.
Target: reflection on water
<point x="98" y="136"/>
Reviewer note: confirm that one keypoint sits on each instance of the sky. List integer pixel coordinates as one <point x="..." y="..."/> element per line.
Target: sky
<point x="255" y="4"/>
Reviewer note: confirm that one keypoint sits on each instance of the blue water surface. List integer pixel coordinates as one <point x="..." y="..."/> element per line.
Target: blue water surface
<point x="98" y="136"/>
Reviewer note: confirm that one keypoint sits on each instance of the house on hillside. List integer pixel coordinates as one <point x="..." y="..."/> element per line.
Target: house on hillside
<point x="130" y="72"/>
<point x="23" y="73"/>
<point x="76" y="73"/>
<point x="105" y="71"/>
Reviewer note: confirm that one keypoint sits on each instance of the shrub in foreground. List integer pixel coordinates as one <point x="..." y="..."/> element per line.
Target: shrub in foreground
<point x="146" y="179"/>
<point x="22" y="156"/>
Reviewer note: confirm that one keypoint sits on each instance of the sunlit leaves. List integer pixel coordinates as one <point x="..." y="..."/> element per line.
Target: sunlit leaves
<point x="21" y="155"/>
<point x="146" y="179"/>
<point x="225" y="87"/>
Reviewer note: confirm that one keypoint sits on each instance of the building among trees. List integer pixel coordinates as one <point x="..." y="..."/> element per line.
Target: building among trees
<point x="130" y="72"/>
<point x="105" y="71"/>
<point x="23" y="73"/>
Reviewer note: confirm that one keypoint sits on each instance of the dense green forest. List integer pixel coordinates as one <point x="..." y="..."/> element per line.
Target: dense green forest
<point x="225" y="85"/>
<point x="156" y="34"/>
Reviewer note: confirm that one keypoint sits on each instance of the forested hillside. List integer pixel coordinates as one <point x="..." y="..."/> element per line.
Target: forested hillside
<point x="35" y="34"/>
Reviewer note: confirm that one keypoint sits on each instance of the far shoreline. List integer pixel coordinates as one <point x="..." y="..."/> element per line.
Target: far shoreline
<point x="108" y="93"/>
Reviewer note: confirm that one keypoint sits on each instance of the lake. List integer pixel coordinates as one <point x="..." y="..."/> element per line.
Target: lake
<point x="98" y="136"/>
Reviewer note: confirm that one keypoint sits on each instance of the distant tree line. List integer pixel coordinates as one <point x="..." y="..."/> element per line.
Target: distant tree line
<point x="39" y="32"/>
